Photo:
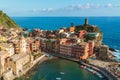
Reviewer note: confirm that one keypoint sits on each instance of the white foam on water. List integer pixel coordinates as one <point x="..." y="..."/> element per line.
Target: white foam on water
<point x="117" y="55"/>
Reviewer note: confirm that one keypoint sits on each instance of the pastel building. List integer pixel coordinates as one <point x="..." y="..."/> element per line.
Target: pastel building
<point x="85" y="49"/>
<point x="69" y="47"/>
<point x="82" y="33"/>
<point x="66" y="47"/>
<point x="43" y="44"/>
<point x="33" y="45"/>
<point x="81" y="50"/>
<point x="56" y="46"/>
<point x="91" y="47"/>
<point x="23" y="45"/>
<point x="3" y="39"/>
<point x="7" y="47"/>
<point x="72" y="29"/>
<point x="3" y="56"/>
<point x="17" y="63"/>
<point x="20" y="45"/>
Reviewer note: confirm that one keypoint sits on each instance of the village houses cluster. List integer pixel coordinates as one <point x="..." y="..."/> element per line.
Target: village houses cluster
<point x="18" y="49"/>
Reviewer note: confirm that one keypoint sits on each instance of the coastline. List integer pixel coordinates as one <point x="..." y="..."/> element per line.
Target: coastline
<point x="103" y="71"/>
<point x="32" y="67"/>
<point x="107" y="75"/>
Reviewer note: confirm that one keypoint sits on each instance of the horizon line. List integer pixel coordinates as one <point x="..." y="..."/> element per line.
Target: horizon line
<point x="64" y="16"/>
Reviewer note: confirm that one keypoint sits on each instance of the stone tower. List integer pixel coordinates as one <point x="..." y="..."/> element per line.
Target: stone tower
<point x="86" y="22"/>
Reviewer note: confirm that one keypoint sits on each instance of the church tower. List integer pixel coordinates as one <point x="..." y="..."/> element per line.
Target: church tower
<point x="23" y="44"/>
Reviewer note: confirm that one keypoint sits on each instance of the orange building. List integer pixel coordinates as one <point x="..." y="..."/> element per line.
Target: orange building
<point x="72" y="29"/>
<point x="85" y="50"/>
<point x="81" y="50"/>
<point x="33" y="45"/>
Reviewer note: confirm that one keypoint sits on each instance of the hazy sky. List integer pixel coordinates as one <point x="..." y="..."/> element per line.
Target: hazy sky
<point x="61" y="7"/>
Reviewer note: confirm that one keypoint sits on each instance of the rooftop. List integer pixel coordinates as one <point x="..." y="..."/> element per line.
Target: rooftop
<point x="83" y="43"/>
<point x="17" y="57"/>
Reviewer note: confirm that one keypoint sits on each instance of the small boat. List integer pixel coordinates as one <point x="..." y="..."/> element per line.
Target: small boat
<point x="91" y="70"/>
<point x="62" y="73"/>
<point x="58" y="78"/>
<point x="99" y="75"/>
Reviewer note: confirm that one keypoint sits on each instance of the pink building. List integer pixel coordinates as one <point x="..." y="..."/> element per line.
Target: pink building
<point x="82" y="33"/>
<point x="66" y="47"/>
<point x="91" y="47"/>
<point x="33" y="45"/>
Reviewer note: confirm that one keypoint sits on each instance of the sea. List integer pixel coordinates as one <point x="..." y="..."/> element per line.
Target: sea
<point x="110" y="26"/>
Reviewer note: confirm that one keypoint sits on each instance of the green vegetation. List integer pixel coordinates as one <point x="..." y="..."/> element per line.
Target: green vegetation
<point x="6" y="21"/>
<point x="87" y="28"/>
<point x="90" y="29"/>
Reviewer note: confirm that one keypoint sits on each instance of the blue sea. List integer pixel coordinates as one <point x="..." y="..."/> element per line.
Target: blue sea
<point x="110" y="26"/>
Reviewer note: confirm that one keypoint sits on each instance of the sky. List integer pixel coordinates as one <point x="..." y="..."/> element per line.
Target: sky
<point x="60" y="7"/>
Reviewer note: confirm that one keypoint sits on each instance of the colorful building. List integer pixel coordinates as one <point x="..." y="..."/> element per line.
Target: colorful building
<point x="7" y="47"/>
<point x="81" y="50"/>
<point x="17" y="63"/>
<point x="23" y="45"/>
<point x="72" y="29"/>
<point x="66" y="46"/>
<point x="3" y="56"/>
<point x="84" y="50"/>
<point x="43" y="44"/>
<point x="82" y="33"/>
<point x="3" y="39"/>
<point x="20" y="45"/>
<point x="91" y="47"/>
<point x="66" y="49"/>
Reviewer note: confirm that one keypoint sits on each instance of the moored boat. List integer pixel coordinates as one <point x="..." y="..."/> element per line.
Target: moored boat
<point x="58" y="78"/>
<point x="62" y="73"/>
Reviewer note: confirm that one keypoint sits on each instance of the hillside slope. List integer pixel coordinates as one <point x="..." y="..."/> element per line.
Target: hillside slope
<point x="6" y="21"/>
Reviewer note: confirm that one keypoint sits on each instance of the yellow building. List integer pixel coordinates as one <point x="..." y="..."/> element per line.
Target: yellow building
<point x="3" y="39"/>
<point x="3" y="56"/>
<point x="18" y="63"/>
<point x="7" y="47"/>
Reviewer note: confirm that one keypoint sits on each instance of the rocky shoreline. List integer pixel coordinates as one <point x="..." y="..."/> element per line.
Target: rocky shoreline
<point x="111" y="67"/>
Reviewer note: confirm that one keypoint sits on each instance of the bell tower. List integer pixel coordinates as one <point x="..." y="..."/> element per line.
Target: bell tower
<point x="22" y="44"/>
